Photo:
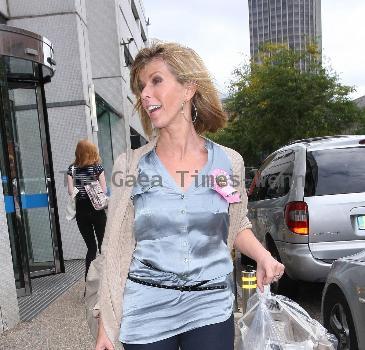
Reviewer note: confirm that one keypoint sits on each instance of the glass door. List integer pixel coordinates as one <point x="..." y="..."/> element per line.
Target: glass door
<point x="27" y="174"/>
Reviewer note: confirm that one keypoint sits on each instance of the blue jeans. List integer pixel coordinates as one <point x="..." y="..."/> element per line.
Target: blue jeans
<point x="218" y="336"/>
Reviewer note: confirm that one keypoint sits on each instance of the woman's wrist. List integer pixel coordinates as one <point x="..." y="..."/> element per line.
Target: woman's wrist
<point x="264" y="254"/>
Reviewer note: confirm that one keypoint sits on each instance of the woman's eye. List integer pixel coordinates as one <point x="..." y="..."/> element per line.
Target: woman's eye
<point x="156" y="80"/>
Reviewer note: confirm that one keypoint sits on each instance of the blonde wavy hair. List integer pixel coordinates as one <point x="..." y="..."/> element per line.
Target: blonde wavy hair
<point x="86" y="154"/>
<point x="186" y="65"/>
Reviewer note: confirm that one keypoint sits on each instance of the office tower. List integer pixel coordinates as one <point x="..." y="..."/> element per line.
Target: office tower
<point x="295" y="22"/>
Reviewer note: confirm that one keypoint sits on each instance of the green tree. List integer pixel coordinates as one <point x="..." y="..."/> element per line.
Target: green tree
<point x="273" y="102"/>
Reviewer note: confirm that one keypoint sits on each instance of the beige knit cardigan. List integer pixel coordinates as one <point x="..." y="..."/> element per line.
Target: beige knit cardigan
<point x="119" y="242"/>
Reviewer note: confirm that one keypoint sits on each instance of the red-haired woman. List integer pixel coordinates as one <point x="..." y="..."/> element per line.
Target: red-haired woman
<point x="85" y="169"/>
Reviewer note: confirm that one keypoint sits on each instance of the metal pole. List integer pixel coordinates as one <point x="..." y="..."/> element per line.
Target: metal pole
<point x="248" y="287"/>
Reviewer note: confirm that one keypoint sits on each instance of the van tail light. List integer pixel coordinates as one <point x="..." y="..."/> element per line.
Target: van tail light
<point x="296" y="217"/>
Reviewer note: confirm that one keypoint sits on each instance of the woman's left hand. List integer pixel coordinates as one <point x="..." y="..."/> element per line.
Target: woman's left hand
<point x="268" y="271"/>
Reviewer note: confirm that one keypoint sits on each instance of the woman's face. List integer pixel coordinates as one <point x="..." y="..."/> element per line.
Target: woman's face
<point x="162" y="95"/>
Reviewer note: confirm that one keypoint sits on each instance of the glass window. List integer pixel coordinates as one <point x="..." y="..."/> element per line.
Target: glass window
<point x="26" y="176"/>
<point x="111" y="136"/>
<point x="2" y="19"/>
<point x="137" y="140"/>
<point x="143" y="35"/>
<point x="335" y="171"/>
<point x="128" y="58"/>
<point x="17" y="68"/>
<point x="274" y="178"/>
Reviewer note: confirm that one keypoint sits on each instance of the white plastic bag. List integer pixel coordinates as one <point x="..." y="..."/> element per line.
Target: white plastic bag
<point x="274" y="322"/>
<point x="71" y="205"/>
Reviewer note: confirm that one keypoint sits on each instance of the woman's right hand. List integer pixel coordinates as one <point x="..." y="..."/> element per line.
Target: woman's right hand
<point x="102" y="341"/>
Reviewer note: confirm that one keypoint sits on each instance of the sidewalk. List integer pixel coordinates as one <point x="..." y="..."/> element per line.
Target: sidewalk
<point x="62" y="326"/>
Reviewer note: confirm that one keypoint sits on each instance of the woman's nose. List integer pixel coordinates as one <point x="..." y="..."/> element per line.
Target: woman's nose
<point x="145" y="94"/>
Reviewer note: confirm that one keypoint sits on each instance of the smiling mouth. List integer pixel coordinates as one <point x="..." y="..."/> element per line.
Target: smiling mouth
<point x="153" y="108"/>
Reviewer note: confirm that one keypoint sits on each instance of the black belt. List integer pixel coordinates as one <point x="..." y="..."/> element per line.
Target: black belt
<point x="191" y="288"/>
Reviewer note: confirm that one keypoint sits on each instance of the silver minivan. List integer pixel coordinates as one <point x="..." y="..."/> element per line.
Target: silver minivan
<point x="304" y="203"/>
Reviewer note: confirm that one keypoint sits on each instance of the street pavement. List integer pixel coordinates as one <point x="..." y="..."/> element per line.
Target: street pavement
<point x="309" y="298"/>
<point x="63" y="326"/>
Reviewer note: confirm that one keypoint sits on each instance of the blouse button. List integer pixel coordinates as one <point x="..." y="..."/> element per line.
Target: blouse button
<point x="182" y="196"/>
<point x="182" y="211"/>
<point x="186" y="260"/>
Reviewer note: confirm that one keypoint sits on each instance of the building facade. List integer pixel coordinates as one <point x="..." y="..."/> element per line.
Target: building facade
<point x="85" y="96"/>
<point x="292" y="22"/>
<point x="360" y="102"/>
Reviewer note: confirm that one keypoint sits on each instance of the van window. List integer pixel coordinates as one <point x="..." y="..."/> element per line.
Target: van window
<point x="335" y="171"/>
<point x="256" y="191"/>
<point x="274" y="178"/>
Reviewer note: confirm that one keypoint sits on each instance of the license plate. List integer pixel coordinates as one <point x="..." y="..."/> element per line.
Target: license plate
<point x="361" y="222"/>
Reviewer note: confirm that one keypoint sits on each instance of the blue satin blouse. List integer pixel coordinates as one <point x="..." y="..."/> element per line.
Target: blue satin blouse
<point x="180" y="240"/>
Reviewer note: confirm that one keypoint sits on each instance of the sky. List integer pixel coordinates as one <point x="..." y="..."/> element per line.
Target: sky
<point x="219" y="32"/>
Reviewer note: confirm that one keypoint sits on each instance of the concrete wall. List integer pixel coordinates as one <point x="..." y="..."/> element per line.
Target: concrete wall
<point x="86" y="36"/>
<point x="9" y="311"/>
<point x="360" y="101"/>
<point x="130" y="27"/>
<point x="106" y="62"/>
<point x="4" y="8"/>
<point x="28" y="8"/>
<point x="110" y="24"/>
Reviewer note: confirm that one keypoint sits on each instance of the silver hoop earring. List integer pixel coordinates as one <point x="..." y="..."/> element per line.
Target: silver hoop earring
<point x="195" y="113"/>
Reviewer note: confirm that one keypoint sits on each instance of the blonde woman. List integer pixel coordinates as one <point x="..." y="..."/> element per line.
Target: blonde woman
<point x="85" y="169"/>
<point x="166" y="278"/>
